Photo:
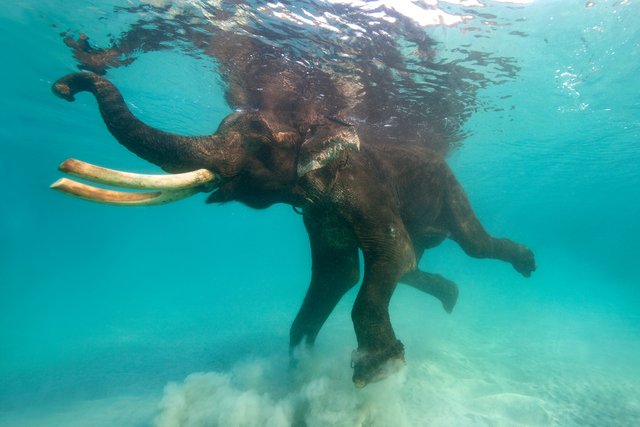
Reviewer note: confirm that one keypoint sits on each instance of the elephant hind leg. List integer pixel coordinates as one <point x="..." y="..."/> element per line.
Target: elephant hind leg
<point x="433" y="284"/>
<point x="466" y="230"/>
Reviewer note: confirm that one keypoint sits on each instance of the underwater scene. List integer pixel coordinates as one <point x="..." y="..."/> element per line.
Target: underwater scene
<point x="193" y="313"/>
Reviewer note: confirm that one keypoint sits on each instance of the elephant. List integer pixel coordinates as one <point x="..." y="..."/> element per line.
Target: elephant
<point x="390" y="202"/>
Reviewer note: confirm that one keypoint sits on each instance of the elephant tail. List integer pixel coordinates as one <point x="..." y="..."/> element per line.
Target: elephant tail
<point x="172" y="152"/>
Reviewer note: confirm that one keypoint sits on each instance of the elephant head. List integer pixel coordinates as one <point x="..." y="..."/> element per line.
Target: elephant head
<point x="254" y="157"/>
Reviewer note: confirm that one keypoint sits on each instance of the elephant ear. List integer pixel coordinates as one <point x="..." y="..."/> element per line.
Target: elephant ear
<point x="326" y="144"/>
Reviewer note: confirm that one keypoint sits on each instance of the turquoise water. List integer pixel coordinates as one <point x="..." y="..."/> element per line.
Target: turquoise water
<point x="179" y="315"/>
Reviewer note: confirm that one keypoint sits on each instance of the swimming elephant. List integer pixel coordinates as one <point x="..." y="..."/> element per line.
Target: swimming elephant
<point x="389" y="201"/>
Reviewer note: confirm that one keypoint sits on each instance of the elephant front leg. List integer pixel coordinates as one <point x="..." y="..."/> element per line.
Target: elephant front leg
<point x="388" y="255"/>
<point x="335" y="270"/>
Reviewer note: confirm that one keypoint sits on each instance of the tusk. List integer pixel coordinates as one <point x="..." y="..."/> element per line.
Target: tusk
<point x="120" y="198"/>
<point x="117" y="178"/>
<point x="170" y="187"/>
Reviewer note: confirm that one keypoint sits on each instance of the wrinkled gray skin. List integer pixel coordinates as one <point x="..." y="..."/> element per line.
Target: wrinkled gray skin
<point x="390" y="202"/>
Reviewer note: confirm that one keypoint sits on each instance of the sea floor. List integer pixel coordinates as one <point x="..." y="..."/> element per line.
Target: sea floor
<point x="520" y="356"/>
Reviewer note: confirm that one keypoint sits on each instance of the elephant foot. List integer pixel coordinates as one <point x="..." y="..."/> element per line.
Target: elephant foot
<point x="449" y="298"/>
<point x="369" y="367"/>
<point x="445" y="290"/>
<point x="434" y="284"/>
<point x="525" y="262"/>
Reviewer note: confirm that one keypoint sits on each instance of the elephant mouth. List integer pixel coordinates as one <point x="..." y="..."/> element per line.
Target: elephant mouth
<point x="168" y="188"/>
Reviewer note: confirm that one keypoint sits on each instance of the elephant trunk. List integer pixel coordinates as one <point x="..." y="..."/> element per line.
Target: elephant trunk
<point x="173" y="153"/>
